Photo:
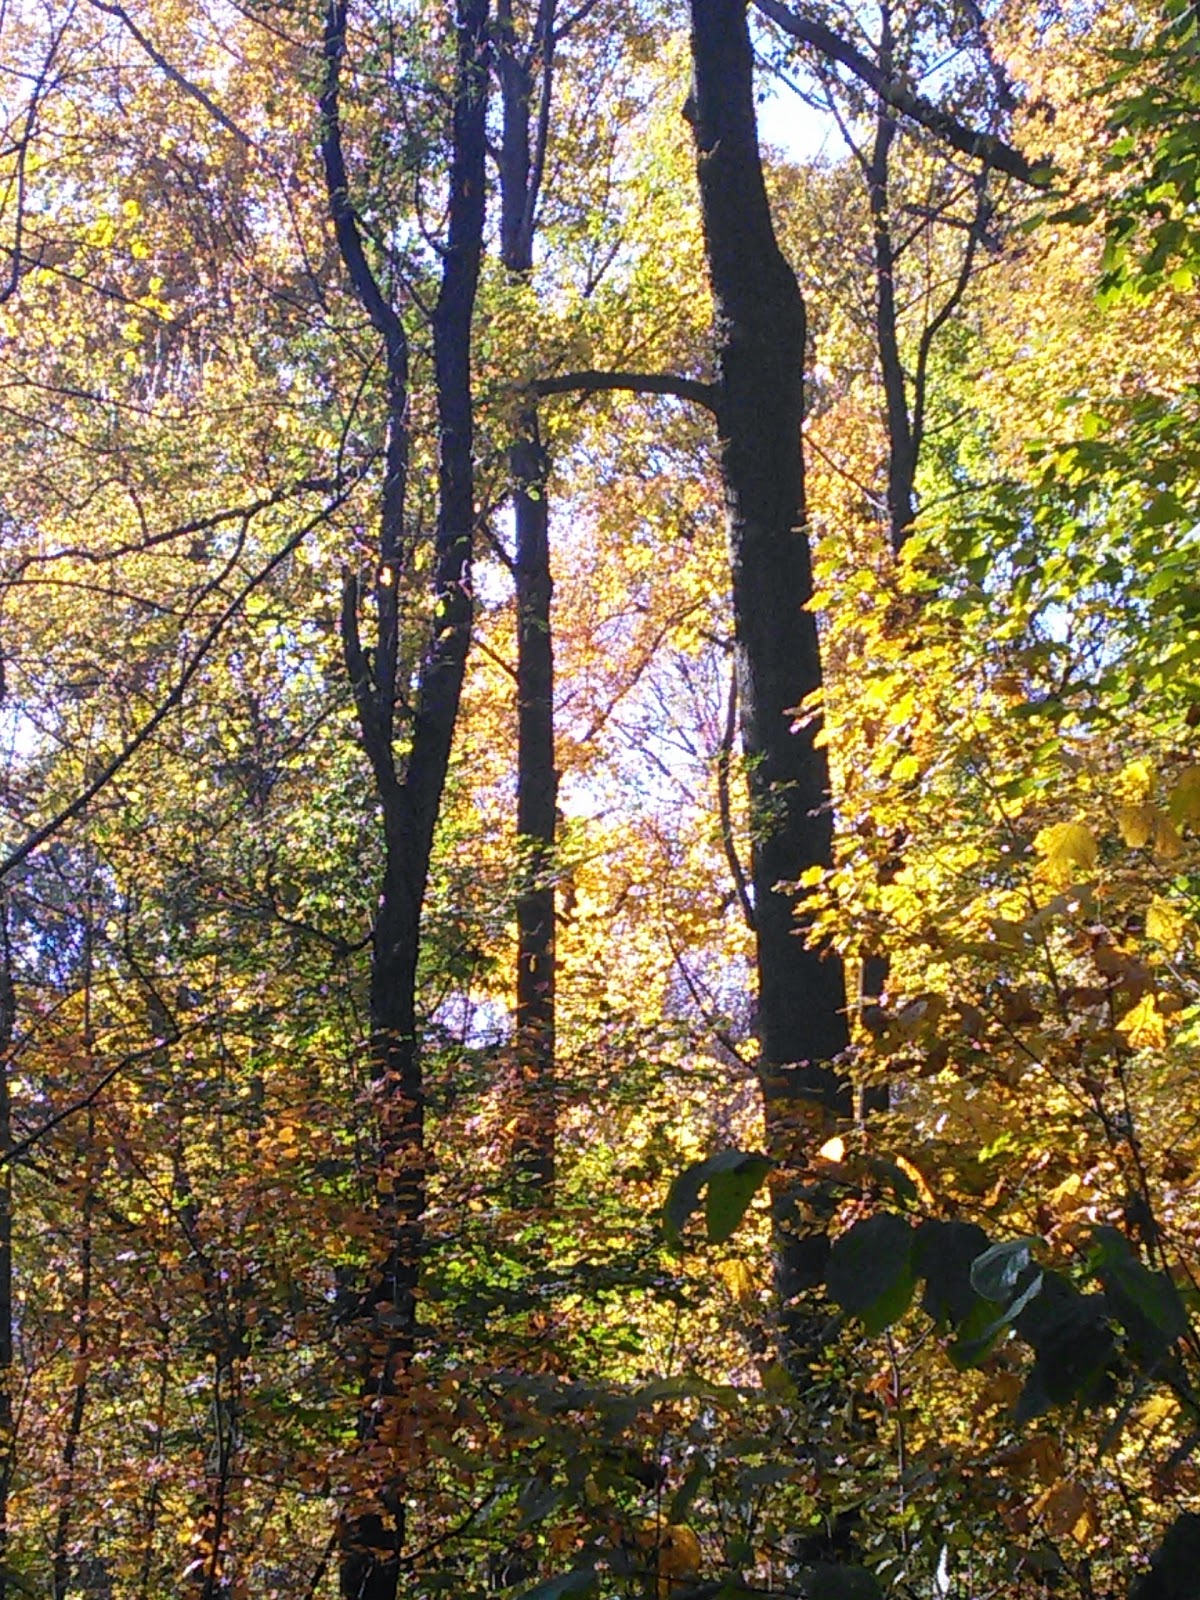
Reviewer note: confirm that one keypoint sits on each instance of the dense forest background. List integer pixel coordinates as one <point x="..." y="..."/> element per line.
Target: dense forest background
<point x="599" y="939"/>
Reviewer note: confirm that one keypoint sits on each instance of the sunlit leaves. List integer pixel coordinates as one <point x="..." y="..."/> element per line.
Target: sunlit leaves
<point x="1068" y="850"/>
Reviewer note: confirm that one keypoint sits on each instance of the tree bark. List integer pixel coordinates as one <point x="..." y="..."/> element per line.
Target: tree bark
<point x="372" y="1540"/>
<point x="760" y="335"/>
<point x="8" y="1435"/>
<point x="521" y="157"/>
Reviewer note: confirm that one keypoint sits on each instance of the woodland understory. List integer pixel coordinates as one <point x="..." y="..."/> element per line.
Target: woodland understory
<point x="600" y="835"/>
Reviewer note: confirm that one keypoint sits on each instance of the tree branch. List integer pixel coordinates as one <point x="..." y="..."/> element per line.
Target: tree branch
<point x="972" y="142"/>
<point x="591" y="382"/>
<point x="725" y="809"/>
<point x="191" y="666"/>
<point x="176" y="77"/>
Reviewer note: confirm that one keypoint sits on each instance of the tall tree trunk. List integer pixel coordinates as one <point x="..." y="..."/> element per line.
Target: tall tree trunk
<point x="521" y="158"/>
<point x="537" y="808"/>
<point x="372" y="1540"/>
<point x="8" y="1435"/>
<point x="760" y="334"/>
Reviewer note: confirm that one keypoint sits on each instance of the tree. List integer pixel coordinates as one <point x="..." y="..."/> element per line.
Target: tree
<point x="410" y="798"/>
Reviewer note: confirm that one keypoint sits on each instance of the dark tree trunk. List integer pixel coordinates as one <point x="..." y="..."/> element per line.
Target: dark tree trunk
<point x="372" y="1541"/>
<point x="521" y="158"/>
<point x="537" y="796"/>
<point x="902" y="457"/>
<point x="8" y="1437"/>
<point x="760" y="335"/>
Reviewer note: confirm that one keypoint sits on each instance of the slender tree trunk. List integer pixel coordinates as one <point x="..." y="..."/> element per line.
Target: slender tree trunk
<point x="61" y="1567"/>
<point x="902" y="462"/>
<point x="520" y="163"/>
<point x="760" y="332"/>
<point x="901" y="458"/>
<point x="372" y="1541"/>
<point x="8" y="1436"/>
<point x="537" y="809"/>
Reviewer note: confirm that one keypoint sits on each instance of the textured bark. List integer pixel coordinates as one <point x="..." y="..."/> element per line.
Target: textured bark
<point x="537" y="796"/>
<point x="8" y="1436"/>
<point x="760" y="334"/>
<point x="372" y="1541"/>
<point x="521" y="156"/>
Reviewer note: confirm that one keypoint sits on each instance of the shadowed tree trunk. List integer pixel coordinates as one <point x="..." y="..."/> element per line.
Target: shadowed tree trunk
<point x="409" y="793"/>
<point x="8" y="1439"/>
<point x="760" y="337"/>
<point x="520" y="67"/>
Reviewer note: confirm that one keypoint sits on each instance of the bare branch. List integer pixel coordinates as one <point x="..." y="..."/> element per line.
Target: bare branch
<point x="970" y="141"/>
<point x="177" y="78"/>
<point x="725" y="809"/>
<point x="668" y="383"/>
<point x="192" y="665"/>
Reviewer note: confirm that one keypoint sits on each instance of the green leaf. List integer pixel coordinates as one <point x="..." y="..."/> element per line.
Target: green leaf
<point x="943" y="1255"/>
<point x="682" y="1199"/>
<point x="977" y="1333"/>
<point x="729" y="1193"/>
<point x="827" y="1581"/>
<point x="1072" y="1342"/>
<point x="577" y="1582"/>
<point x="870" y="1272"/>
<point x="1145" y="1303"/>
<point x="997" y="1271"/>
<point x="733" y="1177"/>
<point x="1174" y="1564"/>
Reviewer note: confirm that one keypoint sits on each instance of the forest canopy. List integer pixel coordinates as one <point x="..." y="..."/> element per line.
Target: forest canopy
<point x="600" y="841"/>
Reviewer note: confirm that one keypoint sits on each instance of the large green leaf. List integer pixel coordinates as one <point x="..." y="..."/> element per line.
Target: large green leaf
<point x="943" y="1255"/>
<point x="1145" y="1303"/>
<point x="732" y="1178"/>
<point x="730" y="1191"/>
<point x="996" y="1273"/>
<point x="577" y="1582"/>
<point x="1174" y="1565"/>
<point x="830" y="1581"/>
<point x="870" y="1271"/>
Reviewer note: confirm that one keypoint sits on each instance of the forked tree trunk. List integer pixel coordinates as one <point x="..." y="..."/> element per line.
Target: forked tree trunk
<point x="760" y="337"/>
<point x="410" y="797"/>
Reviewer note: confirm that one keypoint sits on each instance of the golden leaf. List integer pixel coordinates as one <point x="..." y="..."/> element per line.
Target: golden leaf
<point x="1135" y="782"/>
<point x="738" y="1279"/>
<point x="1184" y="801"/>
<point x="1167" y="843"/>
<point x="1064" y="847"/>
<point x="1067" y="1509"/>
<point x="1136" y="824"/>
<point x="679" y="1553"/>
<point x="1144" y="1026"/>
<point x="1165" y="922"/>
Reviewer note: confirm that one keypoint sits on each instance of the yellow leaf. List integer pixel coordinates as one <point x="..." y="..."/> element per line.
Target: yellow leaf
<point x="1067" y="1508"/>
<point x="918" y="1179"/>
<point x="1165" y="922"/>
<point x="679" y="1553"/>
<point x="833" y="1149"/>
<point x="739" y="1280"/>
<point x="1136" y="824"/>
<point x="1144" y="1026"/>
<point x="1135" y="782"/>
<point x="1167" y="843"/>
<point x="1064" y="847"/>
<point x="1184" y="801"/>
